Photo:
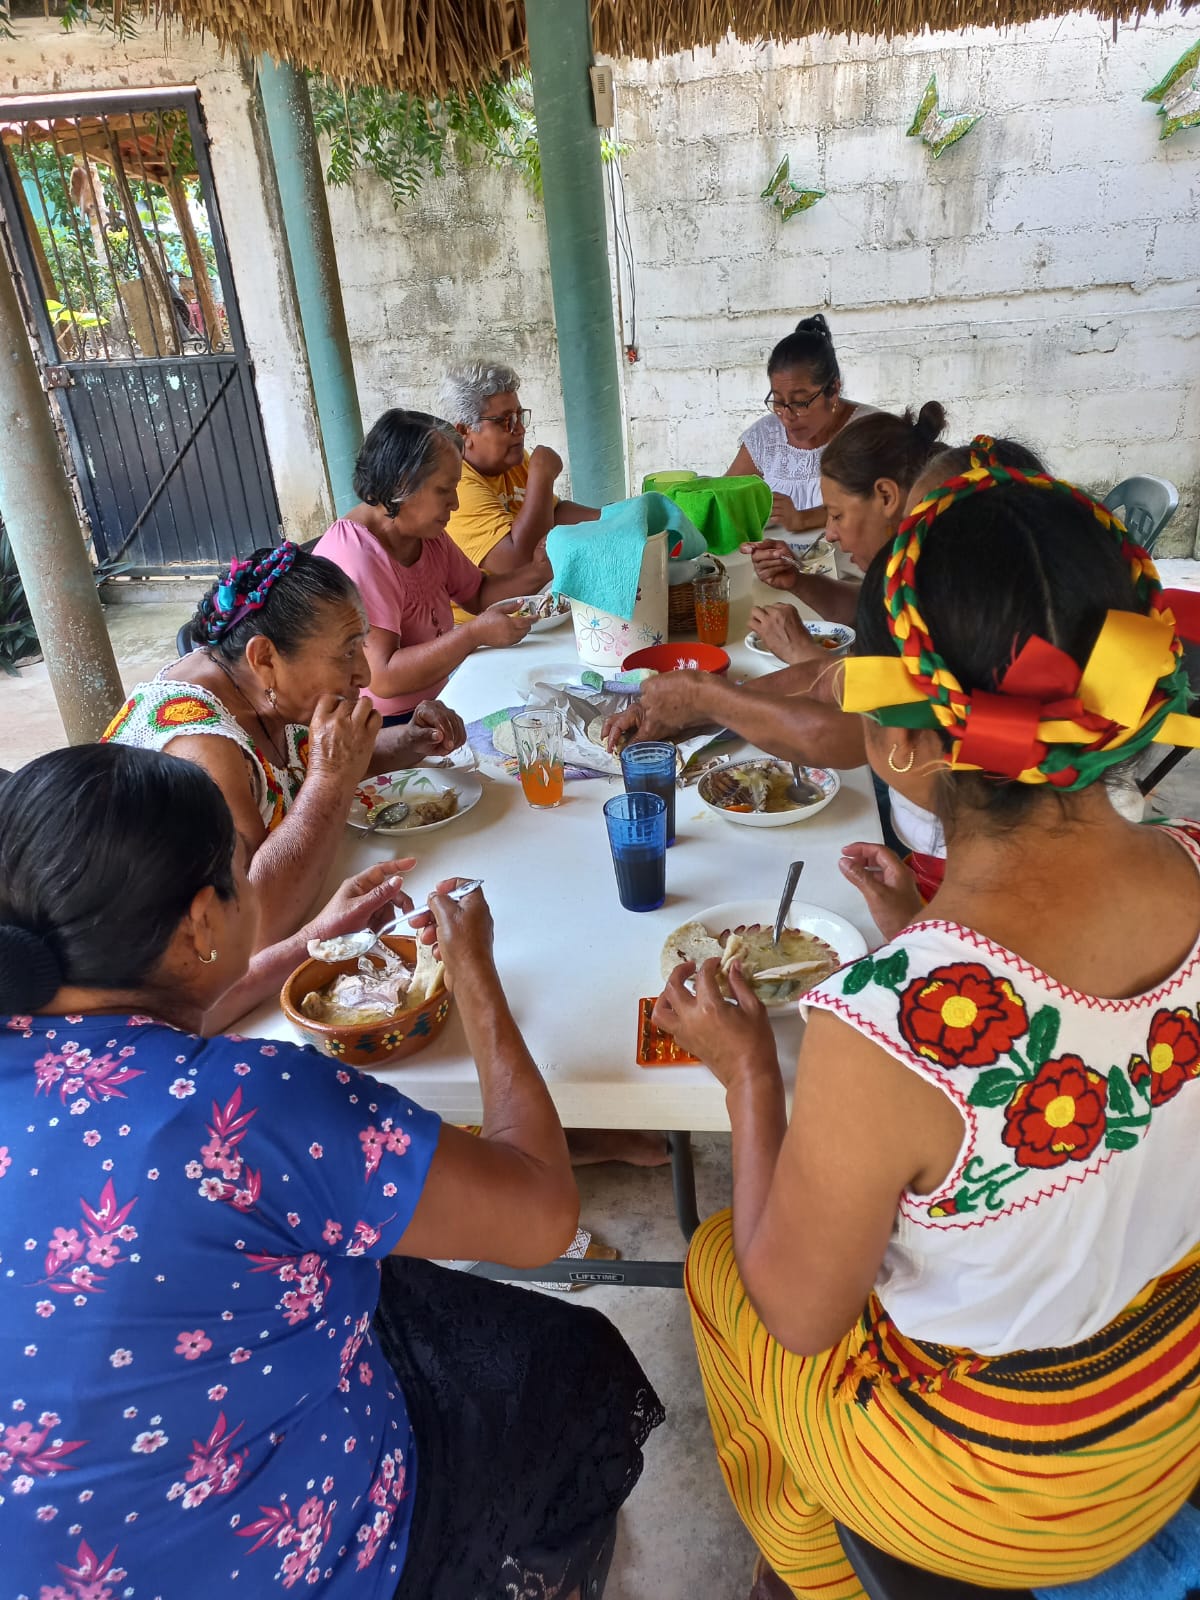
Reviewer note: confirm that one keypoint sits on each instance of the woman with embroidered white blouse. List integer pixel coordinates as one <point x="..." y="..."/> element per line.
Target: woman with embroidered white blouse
<point x="806" y="409"/>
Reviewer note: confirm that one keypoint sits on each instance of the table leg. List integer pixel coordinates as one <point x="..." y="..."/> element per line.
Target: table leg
<point x="683" y="1179"/>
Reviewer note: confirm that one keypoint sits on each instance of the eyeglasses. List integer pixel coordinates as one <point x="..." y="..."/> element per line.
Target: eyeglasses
<point x="792" y="408"/>
<point x="511" y="420"/>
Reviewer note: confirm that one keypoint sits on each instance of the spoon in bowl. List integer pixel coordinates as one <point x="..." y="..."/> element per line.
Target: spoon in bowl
<point x="387" y="816"/>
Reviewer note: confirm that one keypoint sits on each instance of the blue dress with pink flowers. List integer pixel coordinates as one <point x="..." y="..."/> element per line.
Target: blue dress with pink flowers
<point x="193" y="1399"/>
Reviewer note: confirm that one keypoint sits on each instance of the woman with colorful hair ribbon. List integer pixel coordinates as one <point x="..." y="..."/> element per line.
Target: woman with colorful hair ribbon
<point x="956" y="1306"/>
<point x="269" y="702"/>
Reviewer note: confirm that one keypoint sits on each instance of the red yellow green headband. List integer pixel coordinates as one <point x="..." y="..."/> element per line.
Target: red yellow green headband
<point x="1048" y="720"/>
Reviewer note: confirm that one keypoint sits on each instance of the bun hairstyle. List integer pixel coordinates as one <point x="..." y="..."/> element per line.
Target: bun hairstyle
<point x="995" y="570"/>
<point x="810" y="347"/>
<point x="398" y="455"/>
<point x="102" y="850"/>
<point x="881" y="445"/>
<point x="278" y="593"/>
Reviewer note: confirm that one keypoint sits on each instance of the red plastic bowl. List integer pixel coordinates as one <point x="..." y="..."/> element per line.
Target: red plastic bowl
<point x="679" y="657"/>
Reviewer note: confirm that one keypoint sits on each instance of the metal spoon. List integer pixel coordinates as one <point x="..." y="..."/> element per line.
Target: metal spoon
<point x="387" y="816"/>
<point x="785" y="900"/>
<point x="802" y="791"/>
<point x="349" y="946"/>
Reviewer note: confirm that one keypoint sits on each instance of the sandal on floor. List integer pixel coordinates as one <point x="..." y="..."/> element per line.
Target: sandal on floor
<point x="582" y="1248"/>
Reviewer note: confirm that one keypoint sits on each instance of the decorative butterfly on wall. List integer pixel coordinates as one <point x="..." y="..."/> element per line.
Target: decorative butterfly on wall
<point x="1178" y="95"/>
<point x="938" y="129"/>
<point x="787" y="197"/>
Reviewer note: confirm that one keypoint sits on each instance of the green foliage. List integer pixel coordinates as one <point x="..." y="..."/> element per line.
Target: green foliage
<point x="110" y="16"/>
<point x="404" y="139"/>
<point x="18" y="636"/>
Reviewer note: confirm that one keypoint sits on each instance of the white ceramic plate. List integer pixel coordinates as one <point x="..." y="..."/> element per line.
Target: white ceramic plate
<point x="556" y="618"/>
<point x="836" y="931"/>
<point x="417" y="783"/>
<point x="827" y="781"/>
<point x="753" y="642"/>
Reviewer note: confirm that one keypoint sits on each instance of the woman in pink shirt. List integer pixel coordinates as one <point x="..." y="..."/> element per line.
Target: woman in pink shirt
<point x="409" y="571"/>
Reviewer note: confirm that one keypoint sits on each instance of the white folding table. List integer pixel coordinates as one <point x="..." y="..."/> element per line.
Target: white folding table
<point x="573" y="962"/>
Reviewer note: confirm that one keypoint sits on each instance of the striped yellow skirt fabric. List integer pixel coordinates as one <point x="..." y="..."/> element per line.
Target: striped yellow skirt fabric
<point x="1039" y="1468"/>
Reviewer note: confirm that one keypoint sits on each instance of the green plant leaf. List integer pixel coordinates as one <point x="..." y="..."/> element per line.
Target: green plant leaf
<point x="1043" y="1036"/>
<point x="859" y="976"/>
<point x="995" y="1088"/>
<point x="1120" y="1095"/>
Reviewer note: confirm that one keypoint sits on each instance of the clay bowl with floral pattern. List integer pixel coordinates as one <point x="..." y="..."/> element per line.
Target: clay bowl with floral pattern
<point x="369" y="1044"/>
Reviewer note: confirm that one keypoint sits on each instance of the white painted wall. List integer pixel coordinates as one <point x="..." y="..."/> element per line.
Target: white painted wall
<point x="44" y="60"/>
<point x="1042" y="278"/>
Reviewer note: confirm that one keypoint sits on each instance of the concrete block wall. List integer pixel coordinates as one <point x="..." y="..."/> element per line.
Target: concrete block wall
<point x="1041" y="278"/>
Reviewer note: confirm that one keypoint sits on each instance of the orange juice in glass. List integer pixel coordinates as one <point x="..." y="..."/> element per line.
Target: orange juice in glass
<point x="539" y="738"/>
<point x="712" y="608"/>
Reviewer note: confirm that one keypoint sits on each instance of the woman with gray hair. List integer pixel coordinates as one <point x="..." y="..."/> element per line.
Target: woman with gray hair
<point x="395" y="546"/>
<point x="506" y="501"/>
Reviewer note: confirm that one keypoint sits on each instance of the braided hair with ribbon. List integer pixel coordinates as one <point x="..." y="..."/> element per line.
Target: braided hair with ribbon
<point x="277" y="592"/>
<point x="1046" y="719"/>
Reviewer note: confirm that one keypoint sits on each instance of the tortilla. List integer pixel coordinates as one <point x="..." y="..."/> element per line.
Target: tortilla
<point x="777" y="972"/>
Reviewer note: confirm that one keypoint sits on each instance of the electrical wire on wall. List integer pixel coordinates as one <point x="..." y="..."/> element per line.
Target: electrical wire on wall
<point x="626" y="266"/>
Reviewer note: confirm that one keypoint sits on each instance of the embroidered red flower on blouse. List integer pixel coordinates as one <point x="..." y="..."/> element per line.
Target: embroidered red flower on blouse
<point x="1057" y="1116"/>
<point x="1174" y="1055"/>
<point x="962" y="1016"/>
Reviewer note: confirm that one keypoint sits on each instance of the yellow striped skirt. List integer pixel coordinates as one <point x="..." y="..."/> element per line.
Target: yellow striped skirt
<point x="1035" y="1469"/>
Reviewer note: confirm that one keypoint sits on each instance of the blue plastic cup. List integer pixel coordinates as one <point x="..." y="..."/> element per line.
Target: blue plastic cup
<point x="650" y="768"/>
<point x="637" y="837"/>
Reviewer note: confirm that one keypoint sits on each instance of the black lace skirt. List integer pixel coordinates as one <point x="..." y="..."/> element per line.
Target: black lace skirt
<point x="529" y="1415"/>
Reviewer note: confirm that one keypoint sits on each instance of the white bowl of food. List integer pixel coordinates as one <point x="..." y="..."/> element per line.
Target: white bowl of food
<point x="814" y="944"/>
<point x="547" y="610"/>
<point x="835" y="637"/>
<point x="753" y="792"/>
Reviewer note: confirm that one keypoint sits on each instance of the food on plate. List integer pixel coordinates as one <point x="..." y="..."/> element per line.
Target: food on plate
<point x="541" y="606"/>
<point x="382" y="985"/>
<point x="438" y="808"/>
<point x="753" y="786"/>
<point x="777" y="972"/>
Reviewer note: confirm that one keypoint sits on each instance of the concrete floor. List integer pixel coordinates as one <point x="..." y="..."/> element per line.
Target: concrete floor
<point x="679" y="1537"/>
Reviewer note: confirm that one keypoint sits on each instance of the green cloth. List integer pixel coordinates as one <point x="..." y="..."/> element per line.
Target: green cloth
<point x="728" y="511"/>
<point x="600" y="563"/>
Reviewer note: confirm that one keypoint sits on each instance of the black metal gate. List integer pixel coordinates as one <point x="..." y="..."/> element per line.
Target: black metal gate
<point x="113" y="223"/>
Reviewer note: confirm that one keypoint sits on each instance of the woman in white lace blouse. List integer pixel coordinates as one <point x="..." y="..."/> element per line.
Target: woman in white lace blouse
<point x="806" y="409"/>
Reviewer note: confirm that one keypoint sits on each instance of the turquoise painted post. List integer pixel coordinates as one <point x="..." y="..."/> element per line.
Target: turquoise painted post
<point x="298" y="176"/>
<point x="560" y="53"/>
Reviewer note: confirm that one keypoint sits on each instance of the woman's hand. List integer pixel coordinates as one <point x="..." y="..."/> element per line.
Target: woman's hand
<point x="734" y="1041"/>
<point x="461" y="930"/>
<point x="784" y="514"/>
<point x="885" y="883"/>
<point x="435" y="730"/>
<point x="781" y="629"/>
<point x="774" y="563"/>
<point x="341" y="737"/>
<point x="498" y="627"/>
<point x="363" y="901"/>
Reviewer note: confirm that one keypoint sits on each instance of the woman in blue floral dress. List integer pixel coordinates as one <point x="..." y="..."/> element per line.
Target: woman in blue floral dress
<point x="226" y="1365"/>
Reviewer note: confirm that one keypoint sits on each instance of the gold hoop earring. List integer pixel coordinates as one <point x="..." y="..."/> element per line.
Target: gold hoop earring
<point x="209" y="958"/>
<point x="892" y="760"/>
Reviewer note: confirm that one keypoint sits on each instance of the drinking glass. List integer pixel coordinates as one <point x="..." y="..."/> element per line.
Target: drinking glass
<point x="539" y="740"/>
<point x="712" y="607"/>
<point x="637" y="837"/>
<point x="651" y="767"/>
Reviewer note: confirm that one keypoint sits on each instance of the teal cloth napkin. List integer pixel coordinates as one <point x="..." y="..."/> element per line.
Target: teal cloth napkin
<point x="1167" y="1568"/>
<point x="600" y="563"/>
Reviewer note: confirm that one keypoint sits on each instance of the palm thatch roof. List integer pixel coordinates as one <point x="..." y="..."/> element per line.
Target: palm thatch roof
<point x="431" y="46"/>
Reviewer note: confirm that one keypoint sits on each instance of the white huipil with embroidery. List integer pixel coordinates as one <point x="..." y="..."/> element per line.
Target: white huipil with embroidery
<point x="1077" y="1181"/>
